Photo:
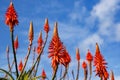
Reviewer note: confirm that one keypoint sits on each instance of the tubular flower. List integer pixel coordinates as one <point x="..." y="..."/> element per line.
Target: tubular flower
<point x="11" y="18"/>
<point x="84" y="66"/>
<point x="100" y="64"/>
<point x="43" y="74"/>
<point x="40" y="40"/>
<point x="31" y="33"/>
<point x="16" y="44"/>
<point x="20" y="66"/>
<point x="40" y="43"/>
<point x="112" y="76"/>
<point x="89" y="56"/>
<point x="77" y="54"/>
<point x="57" y="51"/>
<point x="46" y="26"/>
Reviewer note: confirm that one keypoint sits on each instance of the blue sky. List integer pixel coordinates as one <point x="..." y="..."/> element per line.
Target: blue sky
<point x="81" y="24"/>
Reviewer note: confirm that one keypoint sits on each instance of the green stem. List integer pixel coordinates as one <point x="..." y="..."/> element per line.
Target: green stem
<point x="37" y="66"/>
<point x="73" y="75"/>
<point x="55" y="71"/>
<point x="12" y="39"/>
<point x="64" y="75"/>
<point x="90" y="69"/>
<point x="38" y="55"/>
<point x="78" y="69"/>
<point x="26" y="59"/>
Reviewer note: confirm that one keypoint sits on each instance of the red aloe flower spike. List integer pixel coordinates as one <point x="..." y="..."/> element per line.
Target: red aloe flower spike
<point x="40" y="43"/>
<point x="100" y="64"/>
<point x="84" y="66"/>
<point x="77" y="54"/>
<point x="57" y="52"/>
<point x="89" y="58"/>
<point x="40" y="40"/>
<point x="112" y="76"/>
<point x="46" y="26"/>
<point x="31" y="33"/>
<point x="78" y="60"/>
<point x="43" y="75"/>
<point x="16" y="44"/>
<point x="20" y="66"/>
<point x="11" y="18"/>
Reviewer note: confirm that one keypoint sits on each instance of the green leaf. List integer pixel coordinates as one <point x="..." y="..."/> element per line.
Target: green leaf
<point x="11" y="77"/>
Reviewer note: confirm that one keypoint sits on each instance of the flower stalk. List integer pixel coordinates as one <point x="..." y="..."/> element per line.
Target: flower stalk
<point x="15" y="59"/>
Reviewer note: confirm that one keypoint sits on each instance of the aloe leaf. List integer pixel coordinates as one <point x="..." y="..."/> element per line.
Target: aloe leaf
<point x="11" y="78"/>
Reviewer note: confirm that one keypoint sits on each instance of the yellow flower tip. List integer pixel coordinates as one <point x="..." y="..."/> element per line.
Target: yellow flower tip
<point x="97" y="48"/>
<point x="31" y="32"/>
<point x="55" y="32"/>
<point x="46" y="21"/>
<point x="40" y="34"/>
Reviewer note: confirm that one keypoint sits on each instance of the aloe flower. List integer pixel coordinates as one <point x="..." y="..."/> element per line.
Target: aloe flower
<point x="78" y="65"/>
<point x="112" y="76"/>
<point x="100" y="64"/>
<point x="31" y="33"/>
<point x="11" y="17"/>
<point x="89" y="58"/>
<point x="84" y="66"/>
<point x="46" y="26"/>
<point x="20" y="67"/>
<point x="77" y="54"/>
<point x="43" y="75"/>
<point x="58" y="52"/>
<point x="40" y="43"/>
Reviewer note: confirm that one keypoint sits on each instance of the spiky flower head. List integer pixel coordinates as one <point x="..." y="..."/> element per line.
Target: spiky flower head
<point x="89" y="56"/>
<point x="46" y="26"/>
<point x="20" y="67"/>
<point x="57" y="51"/>
<point x="77" y="54"/>
<point x="100" y="64"/>
<point x="11" y="17"/>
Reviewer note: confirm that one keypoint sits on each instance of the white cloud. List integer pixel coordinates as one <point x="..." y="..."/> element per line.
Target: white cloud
<point x="104" y="12"/>
<point x="117" y="77"/>
<point x="89" y="42"/>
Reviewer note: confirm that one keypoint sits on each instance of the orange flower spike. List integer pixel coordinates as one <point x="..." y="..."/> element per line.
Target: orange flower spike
<point x="89" y="56"/>
<point x="43" y="74"/>
<point x="77" y="54"/>
<point x="40" y="40"/>
<point x="112" y="76"/>
<point x="46" y="26"/>
<point x="16" y="44"/>
<point x="20" y="66"/>
<point x="31" y="33"/>
<point x="84" y="65"/>
<point x="100" y="64"/>
<point x="11" y="18"/>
